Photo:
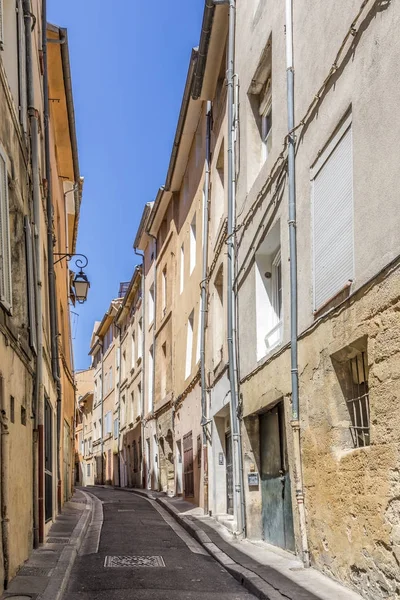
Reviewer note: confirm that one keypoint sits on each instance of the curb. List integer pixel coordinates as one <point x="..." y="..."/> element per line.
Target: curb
<point x="251" y="581"/>
<point x="59" y="579"/>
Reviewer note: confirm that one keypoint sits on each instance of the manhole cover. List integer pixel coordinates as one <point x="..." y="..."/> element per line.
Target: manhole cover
<point x="134" y="561"/>
<point x="35" y="571"/>
<point x="58" y="540"/>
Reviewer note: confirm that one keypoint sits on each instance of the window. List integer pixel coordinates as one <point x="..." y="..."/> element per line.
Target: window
<point x="108" y="338"/>
<point x="150" y="379"/>
<point x="88" y="470"/>
<point x="164" y="290"/>
<point x="151" y="304"/>
<point x="199" y="451"/>
<point x="132" y="408"/>
<point x="203" y="202"/>
<point x="199" y="332"/>
<point x="123" y="412"/>
<point x="140" y="397"/>
<point x="139" y="339"/>
<point x="23" y="99"/>
<point x="110" y="379"/>
<point x="105" y="383"/>
<point x="218" y="316"/>
<point x="268" y="279"/>
<point x="265" y="112"/>
<point x="332" y="199"/>
<point x="5" y="253"/>
<point x="133" y="351"/>
<point x="23" y="415"/>
<point x="12" y="409"/>
<point x="351" y="366"/>
<point x="123" y="366"/>
<point x="116" y="429"/>
<point x="218" y="192"/>
<point x="108" y="423"/>
<point x="189" y="345"/>
<point x="192" y="244"/>
<point x="96" y="392"/>
<point x="163" y="383"/>
<point x="30" y="281"/>
<point x="182" y="269"/>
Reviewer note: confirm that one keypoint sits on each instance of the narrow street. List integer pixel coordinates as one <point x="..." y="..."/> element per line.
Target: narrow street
<point x="133" y="526"/>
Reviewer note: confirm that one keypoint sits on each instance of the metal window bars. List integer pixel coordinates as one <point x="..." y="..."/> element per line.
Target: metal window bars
<point x="358" y="401"/>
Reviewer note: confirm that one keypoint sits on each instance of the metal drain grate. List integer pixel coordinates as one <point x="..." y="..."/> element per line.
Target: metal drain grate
<point x="126" y="510"/>
<point x="55" y="540"/>
<point x="35" y="572"/>
<point x="134" y="561"/>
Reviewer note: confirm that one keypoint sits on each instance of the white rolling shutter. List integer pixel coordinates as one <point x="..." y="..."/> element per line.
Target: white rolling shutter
<point x="31" y="284"/>
<point x="5" y="253"/>
<point x="23" y="100"/>
<point x="332" y="187"/>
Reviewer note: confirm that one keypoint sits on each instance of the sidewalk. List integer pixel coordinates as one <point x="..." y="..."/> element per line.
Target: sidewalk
<point x="268" y="572"/>
<point x="45" y="574"/>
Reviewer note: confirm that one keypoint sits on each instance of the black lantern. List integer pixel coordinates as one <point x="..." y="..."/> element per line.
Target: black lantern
<point x="81" y="287"/>
<point x="80" y="282"/>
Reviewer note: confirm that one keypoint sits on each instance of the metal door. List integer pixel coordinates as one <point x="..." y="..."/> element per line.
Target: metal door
<point x="229" y="474"/>
<point x="277" y="515"/>
<point x="66" y="460"/>
<point x="48" y="461"/>
<point x="188" y="464"/>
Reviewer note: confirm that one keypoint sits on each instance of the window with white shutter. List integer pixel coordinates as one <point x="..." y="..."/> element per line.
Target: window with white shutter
<point x="23" y="100"/>
<point x="332" y="194"/>
<point x="30" y="283"/>
<point x="5" y="253"/>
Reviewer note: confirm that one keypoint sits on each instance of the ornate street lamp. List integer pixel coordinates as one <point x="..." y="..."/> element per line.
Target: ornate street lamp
<point x="80" y="282"/>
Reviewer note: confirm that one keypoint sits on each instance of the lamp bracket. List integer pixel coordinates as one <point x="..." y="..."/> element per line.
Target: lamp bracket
<point x="81" y="264"/>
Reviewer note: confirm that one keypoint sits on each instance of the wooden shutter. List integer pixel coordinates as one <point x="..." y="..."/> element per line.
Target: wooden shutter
<point x="332" y="185"/>
<point x="23" y="100"/>
<point x="5" y="253"/>
<point x="31" y="284"/>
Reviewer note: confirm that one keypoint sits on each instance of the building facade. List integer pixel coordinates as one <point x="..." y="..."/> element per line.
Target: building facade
<point x="307" y="298"/>
<point x="38" y="165"/>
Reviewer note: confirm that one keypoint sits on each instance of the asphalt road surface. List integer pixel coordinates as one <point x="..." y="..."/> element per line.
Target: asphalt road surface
<point x="143" y="554"/>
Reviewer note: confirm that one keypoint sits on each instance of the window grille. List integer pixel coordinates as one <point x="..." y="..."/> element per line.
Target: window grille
<point x="358" y="400"/>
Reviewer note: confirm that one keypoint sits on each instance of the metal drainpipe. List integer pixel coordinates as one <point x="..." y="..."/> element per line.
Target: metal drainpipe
<point x="102" y="415"/>
<point x="4" y="496"/>
<point x="204" y="408"/>
<point x="154" y="347"/>
<point x="50" y="248"/>
<point x="231" y="300"/>
<point x="293" y="284"/>
<point x="119" y="401"/>
<point x="38" y="407"/>
<point x="143" y="363"/>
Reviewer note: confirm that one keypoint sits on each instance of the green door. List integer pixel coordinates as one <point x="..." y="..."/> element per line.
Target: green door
<point x="277" y="515"/>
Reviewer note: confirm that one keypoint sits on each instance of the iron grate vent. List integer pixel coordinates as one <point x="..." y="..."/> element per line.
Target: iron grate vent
<point x="57" y="540"/>
<point x="134" y="561"/>
<point x="35" y="572"/>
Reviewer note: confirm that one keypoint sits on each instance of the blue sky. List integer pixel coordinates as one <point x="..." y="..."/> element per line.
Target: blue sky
<point x="129" y="61"/>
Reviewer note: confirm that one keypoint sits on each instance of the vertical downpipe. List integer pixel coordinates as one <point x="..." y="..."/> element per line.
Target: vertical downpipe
<point x="38" y="407"/>
<point x="4" y="496"/>
<point x="239" y="508"/>
<point x="293" y="284"/>
<point x="102" y="416"/>
<point x="203" y="324"/>
<point x="50" y="257"/>
<point x="142" y="372"/>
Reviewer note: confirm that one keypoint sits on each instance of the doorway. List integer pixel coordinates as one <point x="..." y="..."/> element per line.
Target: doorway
<point x="179" y="467"/>
<point x="277" y="514"/>
<point x="188" y="464"/>
<point x="48" y="461"/>
<point x="229" y="473"/>
<point x="148" y="482"/>
<point x="66" y="460"/>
